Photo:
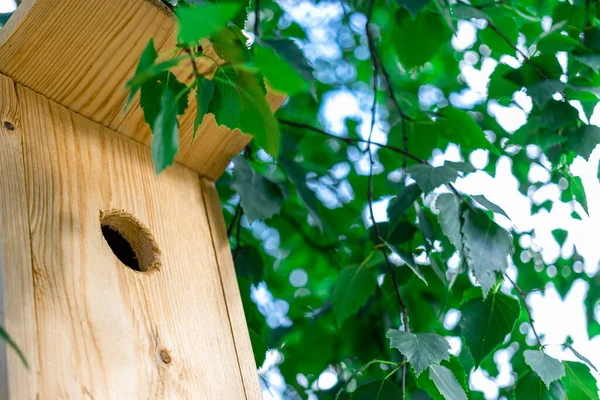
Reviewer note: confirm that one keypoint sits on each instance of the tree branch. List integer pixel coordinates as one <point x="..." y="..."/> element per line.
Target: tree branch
<point x="522" y="295"/>
<point x="256" y="19"/>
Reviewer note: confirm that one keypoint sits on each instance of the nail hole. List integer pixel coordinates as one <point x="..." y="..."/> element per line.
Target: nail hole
<point x="9" y="126"/>
<point x="130" y="241"/>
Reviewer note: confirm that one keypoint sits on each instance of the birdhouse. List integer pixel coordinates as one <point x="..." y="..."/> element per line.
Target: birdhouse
<point x="117" y="283"/>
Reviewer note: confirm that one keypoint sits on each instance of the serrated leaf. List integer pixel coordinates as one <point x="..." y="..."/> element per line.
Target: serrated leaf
<point x="547" y="368"/>
<point x="288" y="50"/>
<point x="422" y="350"/>
<point x="487" y="247"/>
<point x="165" y="128"/>
<point x="584" y="140"/>
<point x="579" y="382"/>
<point x="488" y="204"/>
<point x="425" y="383"/>
<point x="281" y="75"/>
<point x="429" y="178"/>
<point x="407" y="258"/>
<point x="402" y="233"/>
<point x="147" y="59"/>
<point x="591" y="60"/>
<point x="418" y="40"/>
<point x="577" y="191"/>
<point x="541" y="92"/>
<point x="205" y="91"/>
<point x="308" y="197"/>
<point x="581" y="356"/>
<point x="531" y="387"/>
<point x="256" y="117"/>
<point x="460" y="166"/>
<point x="465" y="11"/>
<point x="352" y="289"/>
<point x="413" y="6"/>
<point x="446" y="383"/>
<point x="260" y="198"/>
<point x="9" y="340"/>
<point x="485" y="323"/>
<point x="448" y="206"/>
<point x="202" y="21"/>
<point x="403" y="201"/>
<point x="378" y="390"/>
<point x="225" y="104"/>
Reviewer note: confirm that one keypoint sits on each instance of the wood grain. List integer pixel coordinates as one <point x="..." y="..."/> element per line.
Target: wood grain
<point x="104" y="330"/>
<point x="231" y="290"/>
<point x="81" y="53"/>
<point x="16" y="279"/>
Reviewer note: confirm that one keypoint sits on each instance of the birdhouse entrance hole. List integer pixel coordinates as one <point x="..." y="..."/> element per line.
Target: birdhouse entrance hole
<point x="130" y="240"/>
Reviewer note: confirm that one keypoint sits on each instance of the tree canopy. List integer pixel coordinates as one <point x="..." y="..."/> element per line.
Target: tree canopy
<point x="359" y="232"/>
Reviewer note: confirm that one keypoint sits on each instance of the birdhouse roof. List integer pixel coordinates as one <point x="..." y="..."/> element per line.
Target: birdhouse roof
<point x="81" y="53"/>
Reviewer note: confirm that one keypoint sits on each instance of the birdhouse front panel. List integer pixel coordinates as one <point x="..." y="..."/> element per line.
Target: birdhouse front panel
<point x="133" y="291"/>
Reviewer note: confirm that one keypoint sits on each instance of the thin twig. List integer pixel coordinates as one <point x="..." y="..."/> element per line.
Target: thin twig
<point x="398" y="150"/>
<point x="236" y="215"/>
<point x="256" y="19"/>
<point x="522" y="295"/>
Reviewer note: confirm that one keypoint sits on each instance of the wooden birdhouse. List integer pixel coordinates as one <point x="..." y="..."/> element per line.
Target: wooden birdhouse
<point x="116" y="283"/>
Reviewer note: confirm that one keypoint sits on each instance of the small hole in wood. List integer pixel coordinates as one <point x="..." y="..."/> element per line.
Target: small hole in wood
<point x="130" y="240"/>
<point x="9" y="126"/>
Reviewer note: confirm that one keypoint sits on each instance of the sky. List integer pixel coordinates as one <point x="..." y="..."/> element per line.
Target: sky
<point x="555" y="318"/>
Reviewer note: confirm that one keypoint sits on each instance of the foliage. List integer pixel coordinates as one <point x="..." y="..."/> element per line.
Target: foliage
<point x="300" y="201"/>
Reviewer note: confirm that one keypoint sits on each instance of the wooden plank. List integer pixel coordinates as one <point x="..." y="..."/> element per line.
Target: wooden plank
<point x="106" y="331"/>
<point x="16" y="272"/>
<point x="231" y="289"/>
<point x="81" y="53"/>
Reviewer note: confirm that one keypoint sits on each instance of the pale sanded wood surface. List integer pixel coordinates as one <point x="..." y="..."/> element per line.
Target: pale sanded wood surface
<point x="102" y="326"/>
<point x="231" y="290"/>
<point x="81" y="53"/>
<point x="16" y="280"/>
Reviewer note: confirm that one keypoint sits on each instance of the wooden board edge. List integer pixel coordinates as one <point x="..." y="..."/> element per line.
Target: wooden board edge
<point x="16" y="265"/>
<point x="235" y="310"/>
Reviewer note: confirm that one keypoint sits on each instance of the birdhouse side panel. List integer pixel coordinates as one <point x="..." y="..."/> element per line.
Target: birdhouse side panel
<point x="17" y="307"/>
<point x="105" y="329"/>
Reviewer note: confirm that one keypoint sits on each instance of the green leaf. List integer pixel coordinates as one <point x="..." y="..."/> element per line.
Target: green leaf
<point x="591" y="38"/>
<point x="422" y="350"/>
<point x="579" y="382"/>
<point x="547" y="368"/>
<point x="256" y="117"/>
<point x="249" y="264"/>
<point x="577" y="191"/>
<point x="353" y="288"/>
<point x="488" y="204"/>
<point x="555" y="42"/>
<point x="460" y="166"/>
<point x="202" y="21"/>
<point x="149" y="56"/>
<point x="4" y="335"/>
<point x="531" y="387"/>
<point x="165" y="128"/>
<point x="404" y="232"/>
<point x="446" y="383"/>
<point x="560" y="235"/>
<point x="407" y="258"/>
<point x="485" y="323"/>
<point x="205" y="91"/>
<point x="487" y="247"/>
<point x="465" y="11"/>
<point x="280" y="74"/>
<point x="499" y="86"/>
<point x="510" y="30"/>
<point x="413" y="6"/>
<point x="591" y="60"/>
<point x="425" y="383"/>
<point x="541" y="92"/>
<point x="260" y="198"/>
<point x="580" y="356"/>
<point x="448" y="206"/>
<point x="225" y="104"/>
<point x="397" y="207"/>
<point x="428" y="178"/>
<point x="378" y="390"/>
<point x="288" y="50"/>
<point x="308" y="197"/>
<point x="418" y="40"/>
<point x="584" y="140"/>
